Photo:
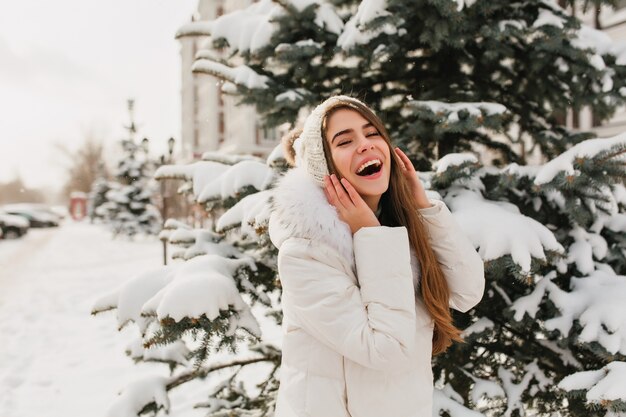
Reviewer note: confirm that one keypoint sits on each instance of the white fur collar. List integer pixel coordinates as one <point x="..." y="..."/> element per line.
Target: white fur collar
<point x="300" y="209"/>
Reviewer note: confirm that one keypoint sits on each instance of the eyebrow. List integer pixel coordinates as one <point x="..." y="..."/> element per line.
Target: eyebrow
<point x="365" y="126"/>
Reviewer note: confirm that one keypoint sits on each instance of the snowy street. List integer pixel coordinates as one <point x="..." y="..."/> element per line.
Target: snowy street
<point x="55" y="358"/>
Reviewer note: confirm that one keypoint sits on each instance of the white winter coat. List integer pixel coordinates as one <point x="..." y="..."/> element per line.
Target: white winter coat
<point x="357" y="336"/>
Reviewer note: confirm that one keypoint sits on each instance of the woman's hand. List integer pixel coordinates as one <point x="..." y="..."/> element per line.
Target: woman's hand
<point x="350" y="206"/>
<point x="414" y="182"/>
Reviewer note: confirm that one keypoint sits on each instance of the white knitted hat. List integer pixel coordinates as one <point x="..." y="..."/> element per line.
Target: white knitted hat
<point x="308" y="147"/>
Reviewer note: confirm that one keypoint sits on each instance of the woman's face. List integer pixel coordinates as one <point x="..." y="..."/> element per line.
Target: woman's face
<point x="359" y="153"/>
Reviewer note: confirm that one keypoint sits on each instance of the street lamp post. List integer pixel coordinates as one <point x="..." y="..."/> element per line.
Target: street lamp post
<point x="164" y="194"/>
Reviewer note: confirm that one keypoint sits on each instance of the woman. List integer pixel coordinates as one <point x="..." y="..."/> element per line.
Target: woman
<point x="369" y="268"/>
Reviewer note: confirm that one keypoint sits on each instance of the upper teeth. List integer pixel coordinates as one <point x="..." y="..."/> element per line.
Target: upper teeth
<point x="368" y="163"/>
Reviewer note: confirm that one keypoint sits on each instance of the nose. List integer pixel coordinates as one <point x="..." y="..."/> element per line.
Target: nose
<point x="364" y="144"/>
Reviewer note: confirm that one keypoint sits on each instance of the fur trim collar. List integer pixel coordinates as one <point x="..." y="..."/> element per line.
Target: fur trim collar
<point x="300" y="209"/>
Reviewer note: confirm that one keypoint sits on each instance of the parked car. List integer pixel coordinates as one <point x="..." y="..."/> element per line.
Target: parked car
<point x="13" y="226"/>
<point x="34" y="213"/>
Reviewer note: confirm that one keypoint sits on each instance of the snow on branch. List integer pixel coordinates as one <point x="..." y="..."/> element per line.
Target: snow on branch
<point x="129" y="298"/>
<point x="523" y="239"/>
<point x="585" y="150"/>
<point x="354" y="34"/>
<point x="222" y="158"/>
<point x="603" y="386"/>
<point x="514" y="391"/>
<point x="251" y="213"/>
<point x="443" y="402"/>
<point x="369" y="10"/>
<point x="326" y="16"/>
<point x="201" y="28"/>
<point x="173" y="353"/>
<point x="454" y="159"/>
<point x="245" y="173"/>
<point x="241" y="75"/>
<point x="203" y="286"/>
<point x="453" y="112"/>
<point x="199" y="173"/>
<point x="484" y="389"/>
<point x="139" y="393"/>
<point x="479" y="326"/>
<point x="199" y="242"/>
<point x="248" y="29"/>
<point x="597" y="303"/>
<point x="600" y="42"/>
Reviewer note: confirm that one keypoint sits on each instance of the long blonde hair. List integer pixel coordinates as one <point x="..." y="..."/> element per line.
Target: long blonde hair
<point x="400" y="209"/>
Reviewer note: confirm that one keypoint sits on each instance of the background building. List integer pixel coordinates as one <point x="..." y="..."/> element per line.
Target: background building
<point x="211" y="120"/>
<point x="611" y="21"/>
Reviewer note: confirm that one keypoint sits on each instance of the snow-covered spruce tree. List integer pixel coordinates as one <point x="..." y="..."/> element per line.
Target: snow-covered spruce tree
<point x="202" y="315"/>
<point x="129" y="208"/>
<point x="96" y="198"/>
<point x="549" y="337"/>
<point x="456" y="76"/>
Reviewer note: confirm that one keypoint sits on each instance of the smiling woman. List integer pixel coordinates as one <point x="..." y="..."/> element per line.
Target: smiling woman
<point x="369" y="269"/>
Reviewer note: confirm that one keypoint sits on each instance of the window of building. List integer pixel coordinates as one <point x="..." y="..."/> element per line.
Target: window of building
<point x="265" y="135"/>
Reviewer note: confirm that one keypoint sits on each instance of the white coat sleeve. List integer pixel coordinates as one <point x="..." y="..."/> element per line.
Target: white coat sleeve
<point x="461" y="264"/>
<point x="373" y="325"/>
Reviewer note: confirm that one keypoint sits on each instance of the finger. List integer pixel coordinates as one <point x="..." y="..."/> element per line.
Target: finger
<point x="335" y="200"/>
<point x="326" y="194"/>
<point x="401" y="160"/>
<point x="329" y="191"/>
<point x="354" y="195"/>
<point x="408" y="165"/>
<point x="341" y="192"/>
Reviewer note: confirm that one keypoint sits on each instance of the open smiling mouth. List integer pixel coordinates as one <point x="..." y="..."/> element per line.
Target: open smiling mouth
<point x="369" y="168"/>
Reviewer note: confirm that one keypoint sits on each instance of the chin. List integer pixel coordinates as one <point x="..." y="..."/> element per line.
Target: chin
<point x="371" y="187"/>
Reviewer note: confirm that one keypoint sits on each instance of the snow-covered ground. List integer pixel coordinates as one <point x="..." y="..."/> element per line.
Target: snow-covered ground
<point x="55" y="358"/>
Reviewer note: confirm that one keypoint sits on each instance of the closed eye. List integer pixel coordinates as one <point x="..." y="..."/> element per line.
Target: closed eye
<point x="372" y="134"/>
<point x="345" y="142"/>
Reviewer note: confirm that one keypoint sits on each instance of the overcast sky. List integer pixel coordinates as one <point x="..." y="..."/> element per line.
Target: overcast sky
<point x="67" y="68"/>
